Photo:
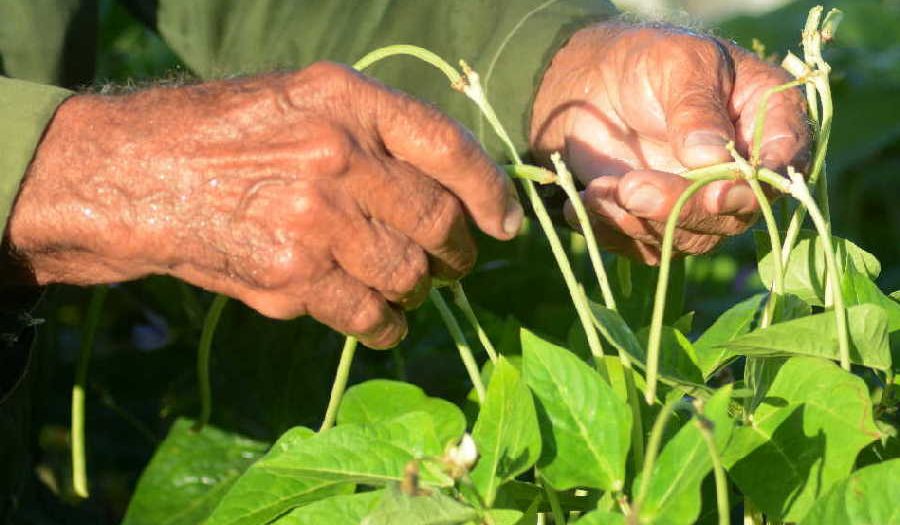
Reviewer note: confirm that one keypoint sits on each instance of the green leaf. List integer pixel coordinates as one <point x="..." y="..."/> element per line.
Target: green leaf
<point x="805" y="272"/>
<point x="506" y="432"/>
<point x="299" y="471"/>
<point x="503" y="517"/>
<point x="789" y="306"/>
<point x="521" y="494"/>
<point x="397" y="508"/>
<point x="585" y="426"/>
<point x="734" y="322"/>
<point x="678" y="360"/>
<point x="816" y="335"/>
<point x="382" y="399"/>
<point x="189" y="474"/>
<point x="869" y="496"/>
<point x="809" y="422"/>
<point x="673" y="496"/>
<point x="859" y="289"/>
<point x="601" y="517"/>
<point x="347" y="509"/>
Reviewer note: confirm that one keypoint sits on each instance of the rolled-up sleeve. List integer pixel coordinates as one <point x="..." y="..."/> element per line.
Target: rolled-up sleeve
<point x="26" y="109"/>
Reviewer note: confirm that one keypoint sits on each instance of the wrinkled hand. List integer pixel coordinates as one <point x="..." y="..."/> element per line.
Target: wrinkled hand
<point x="631" y="107"/>
<point x="319" y="192"/>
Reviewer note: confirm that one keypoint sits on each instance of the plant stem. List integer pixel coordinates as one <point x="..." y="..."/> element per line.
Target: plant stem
<point x="653" y="446"/>
<point x="465" y="352"/>
<point x="721" y="481"/>
<point x="92" y="320"/>
<point x="567" y="182"/>
<point x="800" y="191"/>
<point x="340" y="383"/>
<point x="462" y="302"/>
<point x="659" y="304"/>
<point x="553" y="498"/>
<point x="775" y="243"/>
<point x="203" y="356"/>
<point x="472" y="88"/>
<point x="419" y="52"/>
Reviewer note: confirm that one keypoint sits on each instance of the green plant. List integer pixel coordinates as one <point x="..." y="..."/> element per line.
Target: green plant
<point x="558" y="439"/>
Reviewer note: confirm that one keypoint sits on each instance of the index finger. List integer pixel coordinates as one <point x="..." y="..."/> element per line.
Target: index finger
<point x="445" y="151"/>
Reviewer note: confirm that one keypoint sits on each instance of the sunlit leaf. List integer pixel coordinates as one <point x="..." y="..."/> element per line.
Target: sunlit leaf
<point x="869" y="496"/>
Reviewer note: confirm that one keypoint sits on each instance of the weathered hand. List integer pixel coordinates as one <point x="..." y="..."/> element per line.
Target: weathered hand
<point x="631" y="107"/>
<point x="319" y="192"/>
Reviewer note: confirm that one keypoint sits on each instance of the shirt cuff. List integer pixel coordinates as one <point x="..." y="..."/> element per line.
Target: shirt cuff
<point x="26" y="109"/>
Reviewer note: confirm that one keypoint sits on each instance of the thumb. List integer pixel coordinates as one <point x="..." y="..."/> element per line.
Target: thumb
<point x="697" y="118"/>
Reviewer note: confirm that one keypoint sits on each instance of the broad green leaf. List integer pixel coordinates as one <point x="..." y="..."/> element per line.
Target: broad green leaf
<point x="678" y="360"/>
<point x="520" y="494"/>
<point x="816" y="335"/>
<point x="673" y="496"/>
<point x="870" y="496"/>
<point x="601" y="517"/>
<point x="585" y="426"/>
<point x="734" y="322"/>
<point x="188" y="475"/>
<point x="805" y="272"/>
<point x="298" y="472"/>
<point x="382" y="399"/>
<point x="348" y="509"/>
<point x="809" y="423"/>
<point x="506" y="432"/>
<point x="789" y="306"/>
<point x="859" y="289"/>
<point x="397" y="508"/>
<point x="502" y="517"/>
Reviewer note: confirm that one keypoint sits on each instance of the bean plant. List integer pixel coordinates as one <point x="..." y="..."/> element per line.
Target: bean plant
<point x="645" y="426"/>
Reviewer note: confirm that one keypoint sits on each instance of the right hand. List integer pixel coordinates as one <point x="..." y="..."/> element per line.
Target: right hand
<point x="319" y="192"/>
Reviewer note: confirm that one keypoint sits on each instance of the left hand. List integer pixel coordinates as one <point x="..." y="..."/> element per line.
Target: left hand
<point x="631" y="107"/>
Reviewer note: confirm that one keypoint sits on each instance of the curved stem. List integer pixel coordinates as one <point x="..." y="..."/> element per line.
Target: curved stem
<point x="559" y="518"/>
<point x="465" y="352"/>
<point x="801" y="192"/>
<point x="653" y="446"/>
<point x="775" y="243"/>
<point x="722" y="503"/>
<point x="462" y="302"/>
<point x="419" y="52"/>
<point x="203" y="354"/>
<point x="79" y="461"/>
<point x="567" y="183"/>
<point x="340" y="383"/>
<point x="662" y="283"/>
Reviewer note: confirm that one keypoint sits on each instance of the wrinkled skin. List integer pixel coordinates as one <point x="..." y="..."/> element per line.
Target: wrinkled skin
<point x="631" y="107"/>
<point x="319" y="192"/>
<point x="322" y="192"/>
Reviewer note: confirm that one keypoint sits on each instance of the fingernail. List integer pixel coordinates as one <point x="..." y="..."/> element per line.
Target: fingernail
<point x="644" y="200"/>
<point x="705" y="138"/>
<point x="512" y="221"/>
<point x="738" y="199"/>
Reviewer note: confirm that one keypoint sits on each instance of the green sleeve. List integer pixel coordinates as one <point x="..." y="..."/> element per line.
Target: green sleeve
<point x="509" y="42"/>
<point x="25" y="110"/>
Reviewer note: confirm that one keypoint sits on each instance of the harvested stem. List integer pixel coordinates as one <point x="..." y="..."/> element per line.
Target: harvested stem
<point x="722" y="503"/>
<point x="653" y="446"/>
<point x="340" y="383"/>
<point x="79" y="461"/>
<point x="465" y="351"/>
<point x="462" y="302"/>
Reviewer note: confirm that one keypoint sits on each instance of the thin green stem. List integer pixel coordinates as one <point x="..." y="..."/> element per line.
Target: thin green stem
<point x="653" y="446"/>
<point x="760" y="121"/>
<point x="419" y="52"/>
<point x="462" y="302"/>
<point x="801" y="192"/>
<point x="89" y="331"/>
<point x="203" y="356"/>
<point x="555" y="508"/>
<point x="662" y="283"/>
<point x="465" y="351"/>
<point x="340" y="383"/>
<point x="567" y="182"/>
<point x="722" y="503"/>
<point x="775" y="242"/>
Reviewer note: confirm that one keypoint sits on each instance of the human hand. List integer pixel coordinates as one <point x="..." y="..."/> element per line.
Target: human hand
<point x="631" y="107"/>
<point x="319" y="192"/>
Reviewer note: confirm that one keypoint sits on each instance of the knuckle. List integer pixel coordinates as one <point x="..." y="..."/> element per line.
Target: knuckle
<point x="275" y="269"/>
<point x="368" y="317"/>
<point x="693" y="244"/>
<point x="436" y="225"/>
<point x="406" y="275"/>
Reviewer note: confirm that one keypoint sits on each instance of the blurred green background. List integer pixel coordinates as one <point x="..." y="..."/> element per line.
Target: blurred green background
<point x="269" y="376"/>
